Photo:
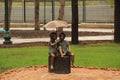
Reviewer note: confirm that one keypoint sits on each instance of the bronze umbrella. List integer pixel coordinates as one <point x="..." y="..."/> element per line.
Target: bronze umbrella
<point x="58" y="24"/>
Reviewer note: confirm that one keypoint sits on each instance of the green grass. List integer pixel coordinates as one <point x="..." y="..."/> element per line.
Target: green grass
<point x="99" y="55"/>
<point x="111" y="2"/>
<point x="105" y="55"/>
<point x="20" y="57"/>
<point x="57" y="3"/>
<point x="68" y="3"/>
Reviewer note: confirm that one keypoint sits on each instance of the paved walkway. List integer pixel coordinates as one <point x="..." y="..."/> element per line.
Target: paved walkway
<point x="68" y="29"/>
<point x="82" y="38"/>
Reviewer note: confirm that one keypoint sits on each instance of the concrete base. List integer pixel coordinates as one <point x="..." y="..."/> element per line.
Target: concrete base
<point x="61" y="65"/>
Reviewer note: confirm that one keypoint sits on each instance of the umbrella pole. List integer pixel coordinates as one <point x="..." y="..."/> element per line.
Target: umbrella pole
<point x="57" y="31"/>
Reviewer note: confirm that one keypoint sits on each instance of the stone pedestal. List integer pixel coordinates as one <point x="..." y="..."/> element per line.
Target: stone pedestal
<point x="61" y="65"/>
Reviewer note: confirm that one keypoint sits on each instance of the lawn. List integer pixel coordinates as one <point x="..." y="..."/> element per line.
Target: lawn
<point x="105" y="55"/>
<point x="68" y="3"/>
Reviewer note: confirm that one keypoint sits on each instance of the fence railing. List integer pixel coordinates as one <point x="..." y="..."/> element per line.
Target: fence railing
<point x="93" y="11"/>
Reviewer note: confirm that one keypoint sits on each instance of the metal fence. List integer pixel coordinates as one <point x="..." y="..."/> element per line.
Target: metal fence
<point x="94" y="11"/>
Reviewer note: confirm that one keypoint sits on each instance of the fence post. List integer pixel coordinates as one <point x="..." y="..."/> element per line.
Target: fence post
<point x="84" y="10"/>
<point x="24" y="11"/>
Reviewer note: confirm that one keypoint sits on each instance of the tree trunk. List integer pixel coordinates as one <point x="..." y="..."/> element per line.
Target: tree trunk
<point x="37" y="15"/>
<point x="75" y="22"/>
<point x="117" y="22"/>
<point x="61" y="10"/>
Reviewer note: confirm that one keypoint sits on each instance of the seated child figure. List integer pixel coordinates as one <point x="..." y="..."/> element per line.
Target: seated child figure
<point x="64" y="47"/>
<point x="53" y="49"/>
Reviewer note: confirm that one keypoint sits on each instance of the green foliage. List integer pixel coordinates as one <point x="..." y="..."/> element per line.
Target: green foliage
<point x="57" y="3"/>
<point x="95" y="55"/>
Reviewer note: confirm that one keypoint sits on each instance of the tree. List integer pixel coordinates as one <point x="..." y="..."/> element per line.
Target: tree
<point x="117" y="22"/>
<point x="36" y="14"/>
<point x="61" y="10"/>
<point x="74" y="21"/>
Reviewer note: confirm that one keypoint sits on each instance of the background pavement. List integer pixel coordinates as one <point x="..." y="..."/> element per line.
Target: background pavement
<point x="81" y="38"/>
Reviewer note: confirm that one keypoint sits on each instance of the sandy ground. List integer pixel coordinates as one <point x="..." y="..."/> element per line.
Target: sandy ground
<point x="41" y="73"/>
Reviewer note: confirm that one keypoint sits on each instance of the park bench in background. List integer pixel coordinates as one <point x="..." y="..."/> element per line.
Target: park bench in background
<point x="61" y="64"/>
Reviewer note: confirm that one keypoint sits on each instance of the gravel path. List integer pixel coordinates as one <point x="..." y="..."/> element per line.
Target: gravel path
<point x="41" y="73"/>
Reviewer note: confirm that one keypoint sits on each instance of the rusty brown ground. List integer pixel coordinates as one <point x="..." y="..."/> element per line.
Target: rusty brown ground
<point x="79" y="73"/>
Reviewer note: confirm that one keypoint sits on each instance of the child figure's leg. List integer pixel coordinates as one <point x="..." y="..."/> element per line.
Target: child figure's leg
<point x="52" y="60"/>
<point x="72" y="58"/>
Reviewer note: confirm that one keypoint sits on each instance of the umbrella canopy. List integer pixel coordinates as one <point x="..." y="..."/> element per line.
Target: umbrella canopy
<point x="56" y="24"/>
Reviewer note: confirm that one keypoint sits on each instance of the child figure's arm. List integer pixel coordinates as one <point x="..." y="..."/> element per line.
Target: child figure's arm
<point x="53" y="43"/>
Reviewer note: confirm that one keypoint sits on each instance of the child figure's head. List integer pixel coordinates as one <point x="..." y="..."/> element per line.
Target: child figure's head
<point x="53" y="36"/>
<point x="62" y="36"/>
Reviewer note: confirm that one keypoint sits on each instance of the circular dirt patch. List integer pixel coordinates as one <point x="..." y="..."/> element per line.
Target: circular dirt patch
<point x="41" y="73"/>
